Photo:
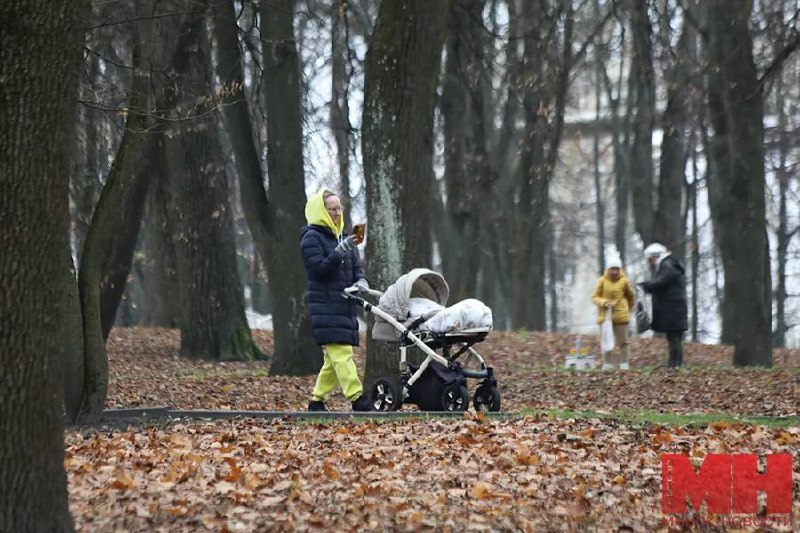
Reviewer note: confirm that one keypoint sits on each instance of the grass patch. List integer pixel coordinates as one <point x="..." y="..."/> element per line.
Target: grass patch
<point x="221" y="372"/>
<point x="646" y="417"/>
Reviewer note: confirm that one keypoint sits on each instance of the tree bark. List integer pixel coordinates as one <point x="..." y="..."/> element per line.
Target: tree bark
<point x="737" y="183"/>
<point x="212" y="318"/>
<point x="295" y="350"/>
<point x="39" y="65"/>
<point x="546" y="84"/>
<point x="116" y="266"/>
<point x="340" y="106"/>
<point x="72" y="352"/>
<point x="669" y="228"/>
<point x="643" y="80"/>
<point x="467" y="172"/>
<point x="103" y="231"/>
<point x="85" y="184"/>
<point x="156" y="264"/>
<point x="401" y="74"/>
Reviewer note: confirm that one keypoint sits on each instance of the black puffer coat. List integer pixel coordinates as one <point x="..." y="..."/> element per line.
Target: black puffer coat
<point x="333" y="319"/>
<point x="669" y="297"/>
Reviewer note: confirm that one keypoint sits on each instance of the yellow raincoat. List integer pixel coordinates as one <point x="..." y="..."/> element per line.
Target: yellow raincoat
<point x="619" y="292"/>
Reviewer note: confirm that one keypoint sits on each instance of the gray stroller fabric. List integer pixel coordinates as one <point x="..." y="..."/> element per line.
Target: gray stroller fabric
<point x="419" y="283"/>
<point x="396" y="300"/>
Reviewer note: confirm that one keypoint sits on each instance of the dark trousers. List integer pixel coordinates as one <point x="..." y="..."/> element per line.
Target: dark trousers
<point x="675" y="344"/>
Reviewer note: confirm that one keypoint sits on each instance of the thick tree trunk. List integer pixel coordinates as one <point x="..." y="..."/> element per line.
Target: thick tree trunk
<point x="669" y="227"/>
<point x="212" y="319"/>
<point x="39" y="65"/>
<point x="72" y="345"/>
<point x="114" y="279"/>
<point x="400" y="85"/>
<point x="467" y="171"/>
<point x="295" y="351"/>
<point x="340" y="106"/>
<point x="737" y="183"/>
<point x="106" y="224"/>
<point x="117" y="267"/>
<point x="85" y="184"/>
<point x="643" y="80"/>
<point x="156" y="265"/>
<point x="546" y="84"/>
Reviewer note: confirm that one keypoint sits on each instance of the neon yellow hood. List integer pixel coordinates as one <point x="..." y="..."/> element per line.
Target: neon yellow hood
<point x="317" y="215"/>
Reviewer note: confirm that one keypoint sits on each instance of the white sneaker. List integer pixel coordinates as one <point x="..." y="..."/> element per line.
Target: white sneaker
<point x="607" y="367"/>
<point x="624" y="366"/>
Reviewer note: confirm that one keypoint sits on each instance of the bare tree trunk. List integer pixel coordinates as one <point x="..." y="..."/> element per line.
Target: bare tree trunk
<point x="620" y="138"/>
<point x="737" y="183"/>
<point x="543" y="110"/>
<point x="669" y="228"/>
<point x="103" y="231"/>
<point x="643" y="80"/>
<point x="784" y="233"/>
<point x="213" y="323"/>
<point x="156" y="266"/>
<point x="400" y="83"/>
<point x="116" y="266"/>
<point x="72" y="357"/>
<point x="39" y="65"/>
<point x="552" y="277"/>
<point x="598" y="187"/>
<point x="85" y="185"/>
<point x="467" y="176"/>
<point x="340" y="106"/>
<point x="695" y="248"/>
<point x="295" y="351"/>
<point x="504" y="157"/>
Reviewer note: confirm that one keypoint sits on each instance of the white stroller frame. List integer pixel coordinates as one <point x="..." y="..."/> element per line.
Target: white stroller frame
<point x="407" y="338"/>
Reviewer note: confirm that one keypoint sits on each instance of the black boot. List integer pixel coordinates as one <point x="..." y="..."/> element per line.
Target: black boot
<point x="362" y="403"/>
<point x="316" y="405"/>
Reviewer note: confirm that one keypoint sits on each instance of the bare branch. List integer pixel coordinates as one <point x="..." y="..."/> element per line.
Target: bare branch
<point x="788" y="49"/>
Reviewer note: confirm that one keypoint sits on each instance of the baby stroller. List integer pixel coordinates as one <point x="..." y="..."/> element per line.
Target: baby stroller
<point x="411" y="313"/>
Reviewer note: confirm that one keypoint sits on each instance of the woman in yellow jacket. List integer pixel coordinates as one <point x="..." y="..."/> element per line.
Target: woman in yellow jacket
<point x="614" y="291"/>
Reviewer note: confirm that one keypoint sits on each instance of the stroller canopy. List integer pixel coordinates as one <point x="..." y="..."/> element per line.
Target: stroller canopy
<point x="418" y="283"/>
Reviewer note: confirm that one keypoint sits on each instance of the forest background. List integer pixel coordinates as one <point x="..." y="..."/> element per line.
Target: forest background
<point x="506" y="143"/>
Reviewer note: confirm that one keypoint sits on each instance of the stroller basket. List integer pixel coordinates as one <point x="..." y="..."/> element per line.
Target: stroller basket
<point x="438" y="383"/>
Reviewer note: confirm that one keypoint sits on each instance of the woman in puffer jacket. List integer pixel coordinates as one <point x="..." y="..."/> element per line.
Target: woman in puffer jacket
<point x="668" y="288"/>
<point x="613" y="291"/>
<point x="332" y="264"/>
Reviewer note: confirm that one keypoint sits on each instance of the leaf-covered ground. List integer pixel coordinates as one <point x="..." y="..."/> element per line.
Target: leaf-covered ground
<point x="146" y="370"/>
<point x="528" y="472"/>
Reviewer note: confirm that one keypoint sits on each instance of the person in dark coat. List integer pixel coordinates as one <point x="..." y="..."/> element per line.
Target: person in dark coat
<point x="332" y="265"/>
<point x="668" y="289"/>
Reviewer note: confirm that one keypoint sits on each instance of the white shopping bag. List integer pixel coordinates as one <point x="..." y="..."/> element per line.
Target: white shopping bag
<point x="607" y="334"/>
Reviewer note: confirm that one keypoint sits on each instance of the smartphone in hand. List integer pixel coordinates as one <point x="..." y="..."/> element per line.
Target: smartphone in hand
<point x="359" y="231"/>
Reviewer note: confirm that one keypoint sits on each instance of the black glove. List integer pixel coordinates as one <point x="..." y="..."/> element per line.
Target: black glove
<point x="347" y="245"/>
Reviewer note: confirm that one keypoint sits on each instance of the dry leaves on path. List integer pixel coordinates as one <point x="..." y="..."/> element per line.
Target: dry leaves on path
<point x="530" y="474"/>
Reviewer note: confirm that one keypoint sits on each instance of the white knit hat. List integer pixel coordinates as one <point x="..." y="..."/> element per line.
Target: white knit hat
<point x="655" y="250"/>
<point x="613" y="261"/>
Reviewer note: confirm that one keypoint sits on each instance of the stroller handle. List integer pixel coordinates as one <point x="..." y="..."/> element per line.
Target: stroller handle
<point x="371" y="292"/>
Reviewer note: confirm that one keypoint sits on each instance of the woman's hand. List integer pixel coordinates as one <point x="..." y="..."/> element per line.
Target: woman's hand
<point x="347" y="245"/>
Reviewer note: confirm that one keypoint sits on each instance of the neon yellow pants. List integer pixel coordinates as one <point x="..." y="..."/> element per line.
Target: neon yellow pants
<point x="338" y="368"/>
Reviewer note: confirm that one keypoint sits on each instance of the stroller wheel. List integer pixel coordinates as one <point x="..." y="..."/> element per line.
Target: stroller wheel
<point x="384" y="395"/>
<point x="455" y="398"/>
<point x="486" y="398"/>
